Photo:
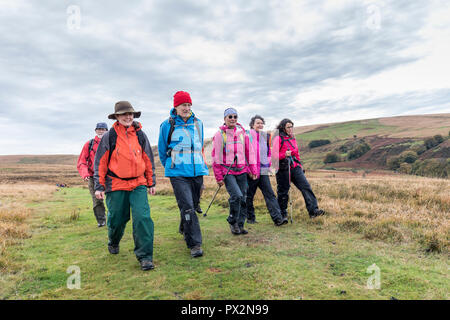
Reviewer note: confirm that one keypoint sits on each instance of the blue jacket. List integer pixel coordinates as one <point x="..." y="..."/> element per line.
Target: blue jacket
<point x="186" y="146"/>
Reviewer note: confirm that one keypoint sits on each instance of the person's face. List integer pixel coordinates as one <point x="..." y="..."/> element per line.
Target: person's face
<point x="289" y="128"/>
<point x="231" y="120"/>
<point x="184" y="110"/>
<point x="125" y="119"/>
<point x="258" y="125"/>
<point x="100" y="132"/>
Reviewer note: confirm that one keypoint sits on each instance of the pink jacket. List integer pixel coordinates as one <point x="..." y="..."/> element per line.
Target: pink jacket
<point x="227" y="143"/>
<point x="261" y="142"/>
<point x="290" y="143"/>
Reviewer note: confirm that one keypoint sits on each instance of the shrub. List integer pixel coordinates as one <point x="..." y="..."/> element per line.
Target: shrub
<point x="331" y="158"/>
<point x="358" y="151"/>
<point x="434" y="141"/>
<point x="318" y="143"/>
<point x="405" y="168"/>
<point x="439" y="168"/>
<point x="438" y="138"/>
<point x="419" y="149"/>
<point x="393" y="163"/>
<point x="408" y="156"/>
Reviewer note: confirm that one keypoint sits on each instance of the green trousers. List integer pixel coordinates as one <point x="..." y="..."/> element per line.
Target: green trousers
<point x="119" y="204"/>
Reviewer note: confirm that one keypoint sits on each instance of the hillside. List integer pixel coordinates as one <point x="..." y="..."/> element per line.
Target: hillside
<point x="387" y="138"/>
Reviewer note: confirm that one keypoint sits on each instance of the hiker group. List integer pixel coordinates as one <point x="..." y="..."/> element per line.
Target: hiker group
<point x="119" y="167"/>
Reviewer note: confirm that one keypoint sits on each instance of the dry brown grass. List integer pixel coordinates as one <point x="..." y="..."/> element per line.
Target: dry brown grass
<point x="391" y="208"/>
<point x="14" y="213"/>
<point x="39" y="173"/>
<point x="418" y="126"/>
<point x="394" y="209"/>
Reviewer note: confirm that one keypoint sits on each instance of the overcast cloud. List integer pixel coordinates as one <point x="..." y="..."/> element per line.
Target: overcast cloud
<point x="311" y="61"/>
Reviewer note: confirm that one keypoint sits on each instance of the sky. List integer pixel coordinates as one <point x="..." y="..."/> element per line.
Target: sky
<point x="64" y="64"/>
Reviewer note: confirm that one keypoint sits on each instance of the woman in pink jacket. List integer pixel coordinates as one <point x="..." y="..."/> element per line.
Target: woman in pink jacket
<point x="261" y="142"/>
<point x="285" y="149"/>
<point x="232" y="150"/>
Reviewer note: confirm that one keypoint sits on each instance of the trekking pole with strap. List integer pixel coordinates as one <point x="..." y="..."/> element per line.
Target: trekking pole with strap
<point x="215" y="194"/>
<point x="289" y="192"/>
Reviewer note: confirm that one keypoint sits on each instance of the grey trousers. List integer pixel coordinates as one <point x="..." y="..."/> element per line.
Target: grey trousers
<point x="98" y="206"/>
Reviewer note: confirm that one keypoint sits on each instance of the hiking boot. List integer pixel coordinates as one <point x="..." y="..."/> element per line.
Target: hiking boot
<point x="252" y="221"/>
<point x="101" y="224"/>
<point x="235" y="229"/>
<point x="198" y="209"/>
<point x="196" y="252"/>
<point x="113" y="249"/>
<point x="242" y="230"/>
<point x="146" y="264"/>
<point x="316" y="213"/>
<point x="281" y="221"/>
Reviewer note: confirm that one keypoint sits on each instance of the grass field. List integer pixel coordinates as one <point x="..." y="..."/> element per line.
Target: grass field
<point x="346" y="130"/>
<point x="400" y="223"/>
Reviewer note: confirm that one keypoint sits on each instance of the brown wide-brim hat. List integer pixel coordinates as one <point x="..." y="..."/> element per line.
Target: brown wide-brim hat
<point x="122" y="107"/>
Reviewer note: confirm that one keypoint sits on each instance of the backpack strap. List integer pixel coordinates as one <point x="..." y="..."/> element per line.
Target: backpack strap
<point x="91" y="145"/>
<point x="172" y="128"/>
<point x="112" y="142"/>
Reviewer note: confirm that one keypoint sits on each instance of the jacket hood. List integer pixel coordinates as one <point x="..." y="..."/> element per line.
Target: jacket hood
<point x="173" y="113"/>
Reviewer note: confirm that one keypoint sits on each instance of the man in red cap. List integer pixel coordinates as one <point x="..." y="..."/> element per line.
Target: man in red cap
<point x="180" y="148"/>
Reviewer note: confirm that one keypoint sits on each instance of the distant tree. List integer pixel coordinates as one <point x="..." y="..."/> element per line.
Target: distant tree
<point x="434" y="141"/>
<point x="358" y="151"/>
<point x="405" y="168"/>
<point x="343" y="148"/>
<point x="419" y="148"/>
<point x="432" y="168"/>
<point x="438" y="138"/>
<point x="393" y="163"/>
<point x="429" y="143"/>
<point x="331" y="158"/>
<point x="318" y="143"/>
<point x="408" y="156"/>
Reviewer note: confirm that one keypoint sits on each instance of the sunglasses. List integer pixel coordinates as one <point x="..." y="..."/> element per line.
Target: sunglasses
<point x="232" y="116"/>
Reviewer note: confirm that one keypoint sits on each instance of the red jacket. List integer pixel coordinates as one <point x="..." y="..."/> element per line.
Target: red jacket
<point x="130" y="165"/>
<point x="85" y="164"/>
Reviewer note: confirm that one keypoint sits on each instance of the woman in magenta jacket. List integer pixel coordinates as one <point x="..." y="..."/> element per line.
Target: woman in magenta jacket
<point x="285" y="149"/>
<point x="232" y="149"/>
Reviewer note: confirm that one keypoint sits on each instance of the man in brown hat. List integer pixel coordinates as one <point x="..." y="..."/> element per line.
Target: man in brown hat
<point x="124" y="170"/>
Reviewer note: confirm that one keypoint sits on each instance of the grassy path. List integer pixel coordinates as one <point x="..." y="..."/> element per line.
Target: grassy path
<point x="298" y="261"/>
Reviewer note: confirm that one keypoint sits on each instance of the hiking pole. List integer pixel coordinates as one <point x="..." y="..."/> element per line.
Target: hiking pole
<point x="289" y="192"/>
<point x="215" y="194"/>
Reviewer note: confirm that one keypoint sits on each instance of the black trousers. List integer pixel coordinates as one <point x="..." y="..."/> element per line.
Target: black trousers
<point x="187" y="193"/>
<point x="263" y="182"/>
<point x="237" y="189"/>
<point x="302" y="184"/>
